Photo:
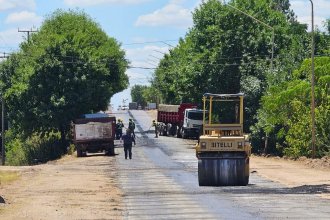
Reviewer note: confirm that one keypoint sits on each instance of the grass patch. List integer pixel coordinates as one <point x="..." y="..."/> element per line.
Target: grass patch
<point x="7" y="177"/>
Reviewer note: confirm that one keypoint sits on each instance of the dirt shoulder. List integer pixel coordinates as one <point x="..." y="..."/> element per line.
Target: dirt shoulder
<point x="293" y="173"/>
<point x="289" y="172"/>
<point x="70" y="188"/>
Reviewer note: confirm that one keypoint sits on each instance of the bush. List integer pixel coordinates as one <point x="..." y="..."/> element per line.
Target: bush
<point x="15" y="153"/>
<point x="71" y="149"/>
<point x="34" y="149"/>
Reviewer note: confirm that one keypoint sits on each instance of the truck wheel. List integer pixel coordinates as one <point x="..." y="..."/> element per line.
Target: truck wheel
<point x="179" y="133"/>
<point x="172" y="130"/>
<point x="112" y="151"/>
<point x="184" y="134"/>
<point x="79" y="153"/>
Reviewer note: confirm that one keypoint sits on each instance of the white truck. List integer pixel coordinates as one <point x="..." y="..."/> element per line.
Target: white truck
<point x="184" y="120"/>
<point x="192" y="123"/>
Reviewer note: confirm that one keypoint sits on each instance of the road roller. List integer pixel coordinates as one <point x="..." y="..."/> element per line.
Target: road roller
<point x="223" y="150"/>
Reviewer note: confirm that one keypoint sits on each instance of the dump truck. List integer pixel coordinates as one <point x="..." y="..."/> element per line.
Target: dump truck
<point x="132" y="105"/>
<point x="223" y="150"/>
<point x="151" y="106"/>
<point x="94" y="133"/>
<point x="183" y="120"/>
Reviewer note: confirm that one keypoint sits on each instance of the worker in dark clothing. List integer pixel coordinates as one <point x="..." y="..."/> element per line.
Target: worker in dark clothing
<point x="155" y="124"/>
<point x="131" y="126"/>
<point x="119" y="129"/>
<point x="128" y="140"/>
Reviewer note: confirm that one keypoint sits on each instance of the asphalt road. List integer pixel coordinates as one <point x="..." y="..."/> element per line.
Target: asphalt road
<point x="161" y="182"/>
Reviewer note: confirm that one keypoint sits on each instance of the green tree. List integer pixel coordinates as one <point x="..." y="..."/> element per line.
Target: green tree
<point x="137" y="95"/>
<point x="150" y="94"/>
<point x="327" y="25"/>
<point x="285" y="112"/>
<point x="143" y="94"/>
<point x="68" y="68"/>
<point x="228" y="52"/>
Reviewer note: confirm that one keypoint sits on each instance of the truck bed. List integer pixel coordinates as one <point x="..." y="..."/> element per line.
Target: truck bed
<point x="91" y="129"/>
<point x="172" y="113"/>
<point x="94" y="134"/>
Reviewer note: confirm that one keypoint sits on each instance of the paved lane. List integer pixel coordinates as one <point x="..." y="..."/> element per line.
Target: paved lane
<point x="161" y="183"/>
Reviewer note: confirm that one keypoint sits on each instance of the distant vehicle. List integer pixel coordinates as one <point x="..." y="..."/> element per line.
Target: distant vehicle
<point x="183" y="120"/>
<point x="119" y="107"/>
<point x="132" y="105"/>
<point x="94" y="133"/>
<point x="124" y="107"/>
<point x="139" y="107"/>
<point x="151" y="106"/>
<point x="110" y="108"/>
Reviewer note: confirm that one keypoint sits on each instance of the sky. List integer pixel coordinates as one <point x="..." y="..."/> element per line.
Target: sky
<point x="146" y="28"/>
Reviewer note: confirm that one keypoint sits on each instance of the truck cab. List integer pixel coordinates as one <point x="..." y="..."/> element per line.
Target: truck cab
<point x="192" y="122"/>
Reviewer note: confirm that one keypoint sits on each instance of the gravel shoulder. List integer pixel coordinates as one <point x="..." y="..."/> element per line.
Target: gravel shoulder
<point x="69" y="188"/>
<point x="292" y="173"/>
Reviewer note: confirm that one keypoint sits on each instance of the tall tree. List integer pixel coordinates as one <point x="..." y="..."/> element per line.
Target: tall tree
<point x="137" y="94"/>
<point x="68" y="68"/>
<point x="228" y="52"/>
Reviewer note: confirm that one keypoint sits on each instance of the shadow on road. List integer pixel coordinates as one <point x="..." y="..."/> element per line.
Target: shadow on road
<point x="99" y="155"/>
<point x="304" y="189"/>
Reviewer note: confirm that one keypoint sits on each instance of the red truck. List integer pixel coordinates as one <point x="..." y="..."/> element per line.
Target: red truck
<point x="94" y="133"/>
<point x="183" y="120"/>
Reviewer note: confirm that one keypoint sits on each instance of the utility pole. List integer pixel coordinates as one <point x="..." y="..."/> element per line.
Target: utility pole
<point x="313" y="87"/>
<point x="3" y="130"/>
<point x="3" y="154"/>
<point x="4" y="56"/>
<point x="28" y="32"/>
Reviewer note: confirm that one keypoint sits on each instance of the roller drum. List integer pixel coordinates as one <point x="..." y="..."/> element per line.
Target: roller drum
<point x="227" y="170"/>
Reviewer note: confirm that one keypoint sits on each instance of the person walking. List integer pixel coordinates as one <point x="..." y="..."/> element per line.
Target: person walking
<point x="131" y="126"/>
<point x="155" y="124"/>
<point x="128" y="140"/>
<point x="119" y="129"/>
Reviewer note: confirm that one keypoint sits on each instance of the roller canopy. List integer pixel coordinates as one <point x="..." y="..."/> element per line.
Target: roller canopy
<point x="223" y="96"/>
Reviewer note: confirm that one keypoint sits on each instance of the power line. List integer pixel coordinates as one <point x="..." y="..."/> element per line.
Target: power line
<point x="168" y="44"/>
<point x="141" y="67"/>
<point x="160" y="52"/>
<point x="155" y="57"/>
<point x="77" y="60"/>
<point x="149" y="42"/>
<point x="154" y="61"/>
<point x="28" y="32"/>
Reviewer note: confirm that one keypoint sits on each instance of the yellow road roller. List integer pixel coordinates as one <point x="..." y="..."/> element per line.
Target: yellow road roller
<point x="223" y="150"/>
